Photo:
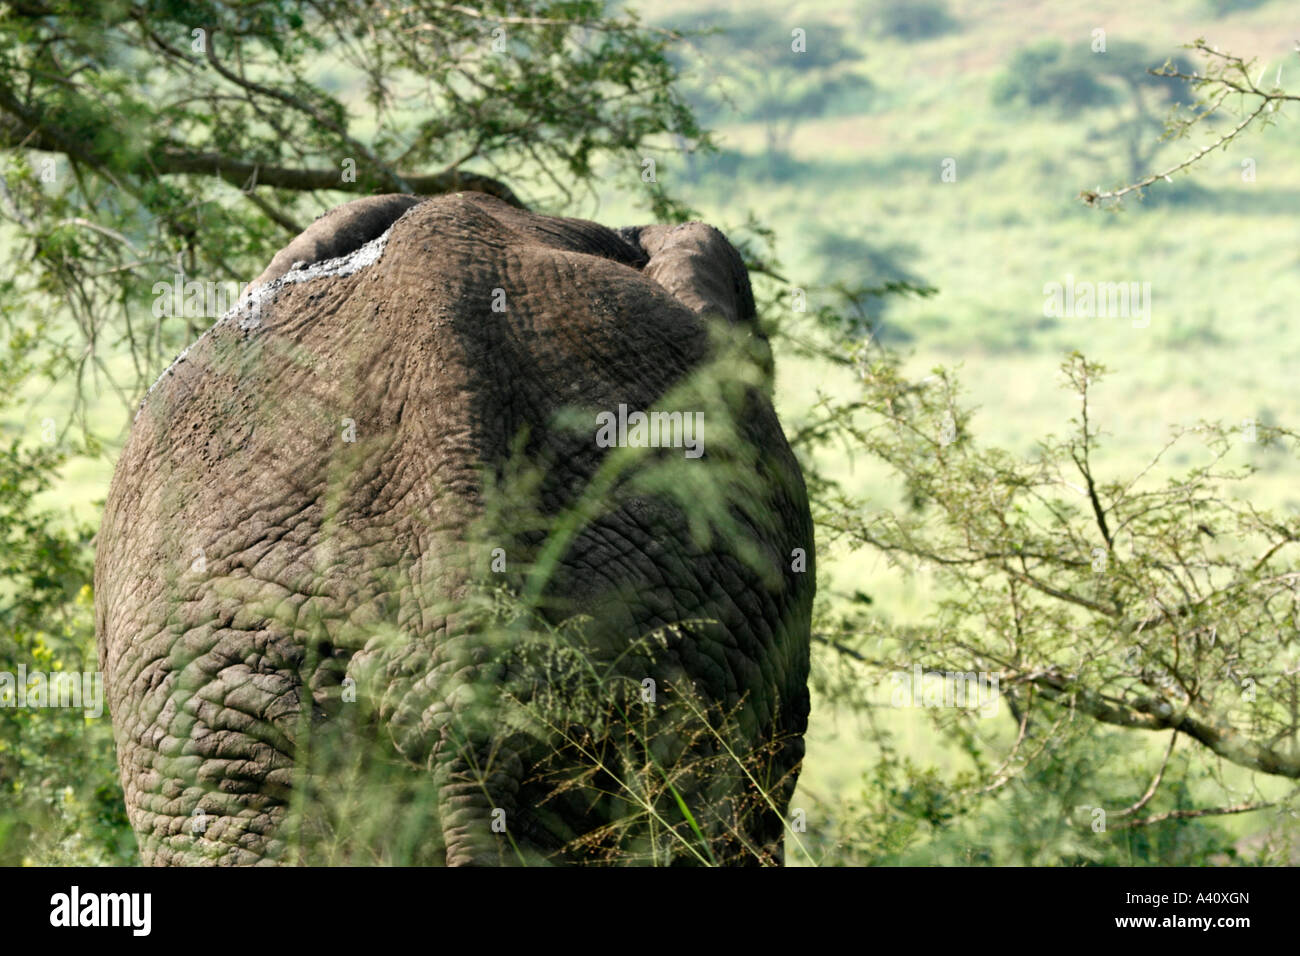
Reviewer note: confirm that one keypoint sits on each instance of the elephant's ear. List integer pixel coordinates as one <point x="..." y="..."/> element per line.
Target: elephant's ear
<point x="342" y="230"/>
<point x="697" y="264"/>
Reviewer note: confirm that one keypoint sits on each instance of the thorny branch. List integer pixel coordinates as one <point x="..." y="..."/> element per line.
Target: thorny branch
<point x="1223" y="76"/>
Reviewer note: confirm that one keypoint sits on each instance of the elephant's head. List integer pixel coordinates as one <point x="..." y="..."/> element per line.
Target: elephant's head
<point x="316" y="497"/>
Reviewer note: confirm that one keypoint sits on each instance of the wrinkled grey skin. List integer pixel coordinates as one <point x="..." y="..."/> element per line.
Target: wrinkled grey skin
<point x="254" y="563"/>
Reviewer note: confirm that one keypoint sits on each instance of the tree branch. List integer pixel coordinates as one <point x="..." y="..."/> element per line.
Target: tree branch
<point x="1148" y="714"/>
<point x="1192" y="814"/>
<point x="30" y="127"/>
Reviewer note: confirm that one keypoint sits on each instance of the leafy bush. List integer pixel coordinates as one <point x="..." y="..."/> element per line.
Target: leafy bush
<point x="60" y="799"/>
<point x="1155" y="601"/>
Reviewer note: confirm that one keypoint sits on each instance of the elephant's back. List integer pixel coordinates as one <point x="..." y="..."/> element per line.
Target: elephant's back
<point x="306" y="480"/>
<point x="345" y="414"/>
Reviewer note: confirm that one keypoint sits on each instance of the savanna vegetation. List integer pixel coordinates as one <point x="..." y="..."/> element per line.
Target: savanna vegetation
<point x="1096" y="512"/>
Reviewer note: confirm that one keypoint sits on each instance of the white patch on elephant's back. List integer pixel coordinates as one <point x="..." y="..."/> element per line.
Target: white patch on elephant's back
<point x="247" y="309"/>
<point x="354" y="261"/>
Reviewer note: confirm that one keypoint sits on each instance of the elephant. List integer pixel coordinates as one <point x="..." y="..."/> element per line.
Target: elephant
<point x="367" y="511"/>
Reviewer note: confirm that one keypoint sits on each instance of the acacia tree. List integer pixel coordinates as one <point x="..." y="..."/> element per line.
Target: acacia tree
<point x="1148" y="600"/>
<point x="143" y="139"/>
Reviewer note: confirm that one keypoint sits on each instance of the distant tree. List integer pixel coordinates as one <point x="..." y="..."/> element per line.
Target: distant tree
<point x="779" y="71"/>
<point x="1051" y="75"/>
<point x="911" y="20"/>
<point x="1044" y="74"/>
<point x="1223" y="8"/>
